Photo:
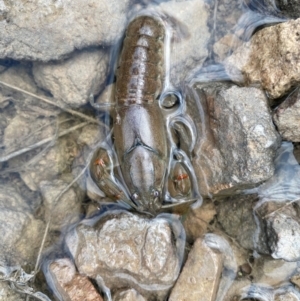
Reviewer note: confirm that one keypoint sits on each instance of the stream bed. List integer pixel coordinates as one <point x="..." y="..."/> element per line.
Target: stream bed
<point x="187" y="187"/>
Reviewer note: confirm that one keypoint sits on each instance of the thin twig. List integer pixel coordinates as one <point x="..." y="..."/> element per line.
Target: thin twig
<point x="81" y="115"/>
<point x="40" y="143"/>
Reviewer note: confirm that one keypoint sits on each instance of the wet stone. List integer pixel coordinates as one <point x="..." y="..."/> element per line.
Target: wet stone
<point x="286" y="117"/>
<point x="128" y="295"/>
<point x="272" y="272"/>
<point x="283" y="229"/>
<point x="236" y="142"/>
<point x="21" y="234"/>
<point x="190" y="36"/>
<point x="7" y="294"/>
<point x="289" y="8"/>
<point x="237" y="218"/>
<point x="197" y="220"/>
<point x="200" y="276"/>
<point x="65" y="210"/>
<point x="67" y="284"/>
<point x="269" y="59"/>
<point x="73" y="80"/>
<point x="43" y="30"/>
<point x="127" y="250"/>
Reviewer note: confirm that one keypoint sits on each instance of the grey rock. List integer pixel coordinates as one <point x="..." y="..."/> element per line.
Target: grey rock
<point x="127" y="250"/>
<point x="283" y="229"/>
<point x="289" y="8"/>
<point x="46" y="30"/>
<point x="21" y="233"/>
<point x="272" y="272"/>
<point x="66" y="209"/>
<point x="19" y="76"/>
<point x="55" y="161"/>
<point x="237" y="217"/>
<point x="8" y="294"/>
<point x="236" y="139"/>
<point x="286" y="117"/>
<point x="190" y="38"/>
<point x="73" y="80"/>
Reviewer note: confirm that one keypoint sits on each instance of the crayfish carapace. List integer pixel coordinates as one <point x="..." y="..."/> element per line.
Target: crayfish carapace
<point x="154" y="173"/>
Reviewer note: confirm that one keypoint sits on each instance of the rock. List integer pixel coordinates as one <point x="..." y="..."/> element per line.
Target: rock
<point x="286" y="117"/>
<point x="73" y="80"/>
<point x="296" y="280"/>
<point x="44" y="30"/>
<point x="19" y="76"/>
<point x="283" y="229"/>
<point x="223" y="47"/>
<point x="197" y="220"/>
<point x="269" y="59"/>
<point x="24" y="130"/>
<point x="236" y="140"/>
<point x="289" y="8"/>
<point x="128" y="295"/>
<point x="236" y="216"/>
<point x="127" y="250"/>
<point x="91" y="135"/>
<point x="272" y="272"/>
<point x="190" y="38"/>
<point x="287" y="296"/>
<point x="8" y="294"/>
<point x="262" y="292"/>
<point x="66" y="210"/>
<point x="200" y="276"/>
<point x="56" y="161"/>
<point x="21" y="234"/>
<point x="67" y="284"/>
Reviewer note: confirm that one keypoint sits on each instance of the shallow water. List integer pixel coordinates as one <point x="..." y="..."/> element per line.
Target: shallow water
<point x="47" y="144"/>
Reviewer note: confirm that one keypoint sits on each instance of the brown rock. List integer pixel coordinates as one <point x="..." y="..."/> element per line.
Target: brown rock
<point x="287" y="117"/>
<point x="128" y="250"/>
<point x="69" y="284"/>
<point x="270" y="59"/>
<point x="200" y="276"/>
<point x="196" y="221"/>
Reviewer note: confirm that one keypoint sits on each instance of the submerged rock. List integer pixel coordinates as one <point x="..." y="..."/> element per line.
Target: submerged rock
<point x="287" y="117"/>
<point x="190" y="36"/>
<point x="67" y="284"/>
<point x="128" y="295"/>
<point x="196" y="220"/>
<point x="199" y="279"/>
<point x="65" y="210"/>
<point x="21" y="233"/>
<point x="46" y="30"/>
<point x="236" y="140"/>
<point x="282" y="228"/>
<point x="8" y="294"/>
<point x="237" y="217"/>
<point x="289" y="8"/>
<point x="270" y="59"/>
<point x="73" y="81"/>
<point x="120" y="249"/>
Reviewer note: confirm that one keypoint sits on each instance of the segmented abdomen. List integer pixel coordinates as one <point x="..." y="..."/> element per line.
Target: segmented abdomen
<point x="140" y="71"/>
